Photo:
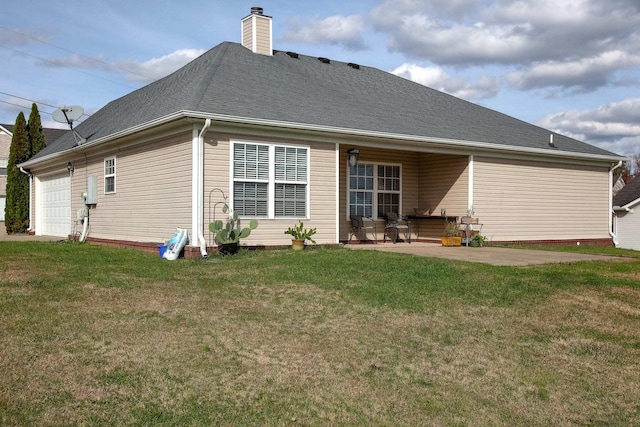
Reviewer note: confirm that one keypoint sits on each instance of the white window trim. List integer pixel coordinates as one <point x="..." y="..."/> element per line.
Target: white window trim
<point x="272" y="177"/>
<point x="114" y="174"/>
<point x="375" y="191"/>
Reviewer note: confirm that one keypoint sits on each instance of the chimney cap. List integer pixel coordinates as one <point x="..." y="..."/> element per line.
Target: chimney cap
<point x="256" y="10"/>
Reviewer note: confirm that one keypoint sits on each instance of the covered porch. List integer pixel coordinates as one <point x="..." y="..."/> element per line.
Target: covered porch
<point x="427" y="189"/>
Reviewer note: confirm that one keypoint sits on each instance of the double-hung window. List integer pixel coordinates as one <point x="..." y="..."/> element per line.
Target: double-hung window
<point x="270" y="181"/>
<point x="110" y="175"/>
<point x="374" y="189"/>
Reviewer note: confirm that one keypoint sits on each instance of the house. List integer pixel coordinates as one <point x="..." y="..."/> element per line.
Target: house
<point x="626" y="217"/>
<point x="6" y="134"/>
<point x="270" y="133"/>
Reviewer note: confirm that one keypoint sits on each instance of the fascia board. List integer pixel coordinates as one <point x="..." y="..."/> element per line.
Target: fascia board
<point x="411" y="142"/>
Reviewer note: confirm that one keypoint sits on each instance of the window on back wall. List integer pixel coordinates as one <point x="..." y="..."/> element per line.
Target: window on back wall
<point x="110" y="175"/>
<point x="374" y="189"/>
<point x="270" y="181"/>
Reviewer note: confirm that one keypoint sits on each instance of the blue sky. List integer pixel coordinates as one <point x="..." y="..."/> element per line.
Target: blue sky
<point x="572" y="66"/>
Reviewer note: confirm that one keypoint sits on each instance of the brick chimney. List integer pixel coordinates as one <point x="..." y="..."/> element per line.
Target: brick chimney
<point x="256" y="32"/>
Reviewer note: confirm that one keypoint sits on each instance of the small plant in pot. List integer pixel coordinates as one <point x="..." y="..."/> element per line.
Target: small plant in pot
<point x="299" y="235"/>
<point x="451" y="235"/>
<point x="477" y="241"/>
<point x="228" y="233"/>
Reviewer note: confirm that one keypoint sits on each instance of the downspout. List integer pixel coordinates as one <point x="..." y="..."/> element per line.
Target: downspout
<point x="30" y="197"/>
<point x="197" y="217"/>
<point x="470" y="189"/>
<point x="613" y="235"/>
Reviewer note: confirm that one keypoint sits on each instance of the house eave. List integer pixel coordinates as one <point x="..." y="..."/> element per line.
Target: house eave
<point x="338" y="134"/>
<point x="410" y="142"/>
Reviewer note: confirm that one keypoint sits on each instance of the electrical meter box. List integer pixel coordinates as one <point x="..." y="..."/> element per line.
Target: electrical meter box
<point x="92" y="190"/>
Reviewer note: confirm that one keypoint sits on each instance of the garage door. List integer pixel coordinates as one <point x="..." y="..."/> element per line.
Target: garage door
<point x="56" y="206"/>
<point x="3" y="202"/>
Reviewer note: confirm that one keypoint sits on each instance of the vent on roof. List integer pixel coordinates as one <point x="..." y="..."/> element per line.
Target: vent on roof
<point x="354" y="66"/>
<point x="257" y="10"/>
<point x="324" y="60"/>
<point x="293" y="55"/>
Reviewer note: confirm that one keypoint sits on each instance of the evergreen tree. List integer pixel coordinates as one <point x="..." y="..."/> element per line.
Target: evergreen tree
<point x="17" y="203"/>
<point x="36" y="133"/>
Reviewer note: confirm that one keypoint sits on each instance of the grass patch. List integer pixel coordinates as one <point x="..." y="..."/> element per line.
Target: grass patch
<point x="92" y="335"/>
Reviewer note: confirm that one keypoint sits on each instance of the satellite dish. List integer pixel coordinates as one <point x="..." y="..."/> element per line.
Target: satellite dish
<point x="68" y="115"/>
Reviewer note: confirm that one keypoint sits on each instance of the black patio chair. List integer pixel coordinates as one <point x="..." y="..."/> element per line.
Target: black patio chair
<point x="395" y="223"/>
<point x="359" y="227"/>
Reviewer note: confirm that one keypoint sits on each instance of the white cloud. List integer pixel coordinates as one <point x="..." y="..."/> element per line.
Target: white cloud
<point x="583" y="74"/>
<point x="461" y="87"/>
<point x="133" y="71"/>
<point x="577" y="45"/>
<point x="156" y="68"/>
<point x="339" y="30"/>
<point x="614" y="126"/>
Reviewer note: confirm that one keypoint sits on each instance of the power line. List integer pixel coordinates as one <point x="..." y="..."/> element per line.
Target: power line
<point x="64" y="66"/>
<point x="30" y="100"/>
<point x="75" y="53"/>
<point x="27" y="99"/>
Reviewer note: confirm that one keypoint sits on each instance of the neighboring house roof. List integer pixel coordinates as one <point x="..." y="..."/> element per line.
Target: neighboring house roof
<point x="50" y="134"/>
<point x="297" y="91"/>
<point x="629" y="194"/>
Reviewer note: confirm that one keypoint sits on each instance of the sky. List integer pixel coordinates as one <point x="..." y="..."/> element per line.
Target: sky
<point x="571" y="66"/>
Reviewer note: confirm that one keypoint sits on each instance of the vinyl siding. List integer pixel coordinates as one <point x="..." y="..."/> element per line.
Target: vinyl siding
<point x="524" y="200"/>
<point x="628" y="229"/>
<point x="153" y="191"/>
<point x="443" y="181"/>
<point x="263" y="39"/>
<point x="322" y="186"/>
<point x="247" y="39"/>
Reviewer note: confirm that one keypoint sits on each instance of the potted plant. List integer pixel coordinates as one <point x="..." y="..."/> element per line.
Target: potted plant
<point x="452" y="235"/>
<point x="477" y="240"/>
<point x="229" y="233"/>
<point x="299" y="235"/>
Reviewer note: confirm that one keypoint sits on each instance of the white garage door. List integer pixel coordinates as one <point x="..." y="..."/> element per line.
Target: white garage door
<point x="3" y="203"/>
<point x="56" y="206"/>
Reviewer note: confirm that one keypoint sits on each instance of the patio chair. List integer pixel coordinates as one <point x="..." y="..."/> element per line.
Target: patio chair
<point x="395" y="223"/>
<point x="358" y="227"/>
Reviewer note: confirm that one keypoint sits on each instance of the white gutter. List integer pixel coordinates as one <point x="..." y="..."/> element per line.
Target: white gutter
<point x="449" y="144"/>
<point x="612" y="233"/>
<point x="30" y="197"/>
<point x="197" y="186"/>
<point x="470" y="189"/>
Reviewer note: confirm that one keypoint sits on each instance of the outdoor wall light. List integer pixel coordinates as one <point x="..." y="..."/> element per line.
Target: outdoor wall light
<point x="354" y="154"/>
<point x="70" y="167"/>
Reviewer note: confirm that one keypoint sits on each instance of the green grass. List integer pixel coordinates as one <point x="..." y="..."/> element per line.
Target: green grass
<point x="92" y="335"/>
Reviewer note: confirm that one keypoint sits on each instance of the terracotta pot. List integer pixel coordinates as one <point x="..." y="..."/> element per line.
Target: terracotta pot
<point x="297" y="245"/>
<point x="451" y="240"/>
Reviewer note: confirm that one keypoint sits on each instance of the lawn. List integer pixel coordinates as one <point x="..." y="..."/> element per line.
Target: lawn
<point x="92" y="335"/>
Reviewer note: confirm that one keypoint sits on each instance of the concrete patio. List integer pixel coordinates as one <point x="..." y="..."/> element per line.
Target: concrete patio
<point x="487" y="255"/>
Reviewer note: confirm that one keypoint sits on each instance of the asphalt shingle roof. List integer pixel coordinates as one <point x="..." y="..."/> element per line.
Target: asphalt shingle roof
<point x="231" y="80"/>
<point x="50" y="134"/>
<point x="628" y="193"/>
